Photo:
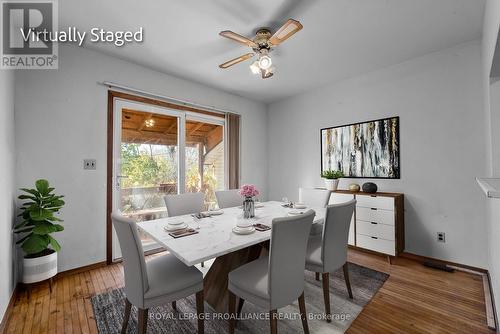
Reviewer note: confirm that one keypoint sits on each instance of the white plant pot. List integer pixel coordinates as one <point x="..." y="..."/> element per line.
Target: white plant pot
<point x="39" y="268"/>
<point x="331" y="184"/>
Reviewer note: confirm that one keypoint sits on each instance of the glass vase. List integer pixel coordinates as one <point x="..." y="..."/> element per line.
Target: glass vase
<point x="248" y="208"/>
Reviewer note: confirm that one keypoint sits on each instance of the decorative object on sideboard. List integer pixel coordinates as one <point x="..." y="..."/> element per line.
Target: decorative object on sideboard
<point x="39" y="221"/>
<point x="370" y="187"/>
<point x="249" y="192"/>
<point x="331" y="179"/>
<point x="354" y="187"/>
<point x="368" y="149"/>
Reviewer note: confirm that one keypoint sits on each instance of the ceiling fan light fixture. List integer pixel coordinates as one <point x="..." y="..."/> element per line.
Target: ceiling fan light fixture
<point x="254" y="67"/>
<point x="265" y="62"/>
<point x="266" y="74"/>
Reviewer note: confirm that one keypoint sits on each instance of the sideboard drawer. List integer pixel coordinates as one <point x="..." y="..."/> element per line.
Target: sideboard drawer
<point x="374" y="201"/>
<point x="380" y="216"/>
<point x="378" y="245"/>
<point x="377" y="230"/>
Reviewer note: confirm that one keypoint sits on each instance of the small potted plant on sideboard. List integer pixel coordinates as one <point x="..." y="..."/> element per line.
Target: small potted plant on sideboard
<point x="38" y="222"/>
<point x="332" y="178"/>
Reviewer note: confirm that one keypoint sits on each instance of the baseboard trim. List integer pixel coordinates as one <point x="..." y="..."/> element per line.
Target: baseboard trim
<point x="78" y="270"/>
<point x="422" y="259"/>
<point x="489" y="302"/>
<point x="8" y="310"/>
<point x="491" y="312"/>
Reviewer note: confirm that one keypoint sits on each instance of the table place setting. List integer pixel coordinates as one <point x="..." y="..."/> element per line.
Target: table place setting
<point x="244" y="226"/>
<point x="208" y="214"/>
<point x="178" y="229"/>
<point x="296" y="212"/>
<point x="175" y="226"/>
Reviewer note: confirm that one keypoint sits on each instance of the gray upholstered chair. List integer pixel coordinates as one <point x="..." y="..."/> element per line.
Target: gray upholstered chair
<point x="328" y="251"/>
<point x="162" y="280"/>
<point x="275" y="281"/>
<point x="228" y="198"/>
<point x="316" y="198"/>
<point x="184" y="204"/>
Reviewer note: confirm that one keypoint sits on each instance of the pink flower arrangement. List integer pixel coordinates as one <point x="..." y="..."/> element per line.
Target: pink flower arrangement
<point x="249" y="190"/>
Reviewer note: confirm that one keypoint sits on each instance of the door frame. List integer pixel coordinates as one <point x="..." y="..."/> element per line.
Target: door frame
<point x="180" y="116"/>
<point x="112" y="96"/>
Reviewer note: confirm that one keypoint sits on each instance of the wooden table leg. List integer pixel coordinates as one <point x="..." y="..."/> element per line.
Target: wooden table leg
<point x="215" y="281"/>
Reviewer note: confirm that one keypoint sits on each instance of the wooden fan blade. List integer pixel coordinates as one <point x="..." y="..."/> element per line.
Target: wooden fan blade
<point x="286" y="31"/>
<point x="236" y="60"/>
<point x="238" y="38"/>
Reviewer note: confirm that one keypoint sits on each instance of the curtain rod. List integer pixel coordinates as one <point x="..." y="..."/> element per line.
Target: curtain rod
<point x="166" y="98"/>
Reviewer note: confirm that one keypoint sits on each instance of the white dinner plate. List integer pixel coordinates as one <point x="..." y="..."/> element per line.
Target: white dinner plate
<point x="299" y="206"/>
<point x="245" y="230"/>
<point x="212" y="213"/>
<point x="259" y="205"/>
<point x="296" y="212"/>
<point x="176" y="222"/>
<point x="170" y="228"/>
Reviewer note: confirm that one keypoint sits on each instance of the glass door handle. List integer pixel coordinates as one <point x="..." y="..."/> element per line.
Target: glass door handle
<point x="118" y="178"/>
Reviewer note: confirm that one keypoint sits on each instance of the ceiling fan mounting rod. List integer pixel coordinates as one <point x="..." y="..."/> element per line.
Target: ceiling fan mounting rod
<point x="262" y="37"/>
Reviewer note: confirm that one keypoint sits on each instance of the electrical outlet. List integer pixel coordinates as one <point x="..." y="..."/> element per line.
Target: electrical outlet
<point x="441" y="237"/>
<point x="89" y="164"/>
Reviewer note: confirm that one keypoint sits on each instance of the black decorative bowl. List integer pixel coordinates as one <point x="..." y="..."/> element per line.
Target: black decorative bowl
<point x="370" y="187"/>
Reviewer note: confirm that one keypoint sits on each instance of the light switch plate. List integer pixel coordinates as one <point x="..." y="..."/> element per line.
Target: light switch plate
<point x="89" y="164"/>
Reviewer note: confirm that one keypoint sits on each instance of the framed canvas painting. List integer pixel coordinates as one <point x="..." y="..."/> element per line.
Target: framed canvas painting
<point x="365" y="150"/>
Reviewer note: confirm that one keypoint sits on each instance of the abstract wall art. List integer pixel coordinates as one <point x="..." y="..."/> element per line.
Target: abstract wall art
<point x="369" y="149"/>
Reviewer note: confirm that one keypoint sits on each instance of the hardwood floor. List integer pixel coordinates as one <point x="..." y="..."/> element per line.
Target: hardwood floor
<point x="414" y="299"/>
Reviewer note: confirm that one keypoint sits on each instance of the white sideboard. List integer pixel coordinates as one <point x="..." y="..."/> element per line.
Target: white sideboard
<point x="378" y="221"/>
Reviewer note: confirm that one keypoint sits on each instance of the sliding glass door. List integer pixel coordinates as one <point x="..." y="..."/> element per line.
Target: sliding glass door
<point x="159" y="151"/>
<point x="205" y="156"/>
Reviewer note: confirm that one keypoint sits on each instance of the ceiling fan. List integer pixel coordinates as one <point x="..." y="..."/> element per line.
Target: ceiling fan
<point x="262" y="44"/>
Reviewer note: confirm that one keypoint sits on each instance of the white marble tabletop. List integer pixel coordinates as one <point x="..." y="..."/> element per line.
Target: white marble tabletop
<point x="215" y="237"/>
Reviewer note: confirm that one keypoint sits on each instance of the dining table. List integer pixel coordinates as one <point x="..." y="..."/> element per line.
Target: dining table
<point x="216" y="240"/>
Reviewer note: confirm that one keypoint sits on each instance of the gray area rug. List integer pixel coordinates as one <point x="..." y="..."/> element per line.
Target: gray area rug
<point x="109" y="309"/>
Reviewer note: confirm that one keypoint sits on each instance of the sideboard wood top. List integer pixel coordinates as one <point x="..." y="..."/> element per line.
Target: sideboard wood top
<point x="385" y="194"/>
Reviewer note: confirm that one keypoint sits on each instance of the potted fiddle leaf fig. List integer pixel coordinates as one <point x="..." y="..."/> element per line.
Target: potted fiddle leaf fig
<point x="38" y="222"/>
<point x="332" y="178"/>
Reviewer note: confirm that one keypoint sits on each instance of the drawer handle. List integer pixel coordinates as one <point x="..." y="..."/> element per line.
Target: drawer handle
<point x="374" y="237"/>
<point x="373" y="195"/>
<point x="374" y="209"/>
<point x="375" y="223"/>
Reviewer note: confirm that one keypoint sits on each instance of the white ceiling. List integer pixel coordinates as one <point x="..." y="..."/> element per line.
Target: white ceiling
<point x="340" y="39"/>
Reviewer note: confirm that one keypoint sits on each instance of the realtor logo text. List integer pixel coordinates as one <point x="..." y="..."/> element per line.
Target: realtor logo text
<point x="73" y="35"/>
<point x="30" y="35"/>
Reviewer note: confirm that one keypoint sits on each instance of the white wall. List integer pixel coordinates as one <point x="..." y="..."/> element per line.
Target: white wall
<point x="494" y="203"/>
<point x="61" y="119"/>
<point x="439" y="100"/>
<point x="492" y="112"/>
<point x="7" y="250"/>
<point x="491" y="25"/>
